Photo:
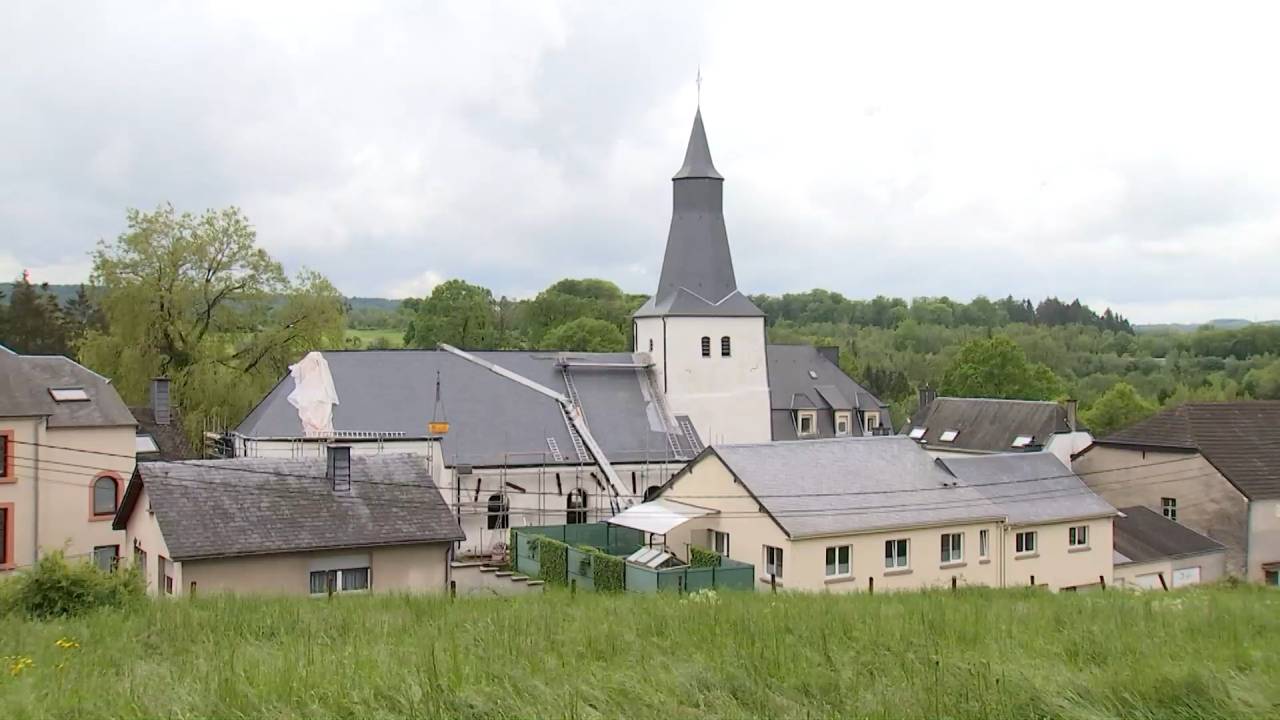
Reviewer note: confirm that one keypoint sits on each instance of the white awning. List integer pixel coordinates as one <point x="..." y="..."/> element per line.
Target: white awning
<point x="658" y="516"/>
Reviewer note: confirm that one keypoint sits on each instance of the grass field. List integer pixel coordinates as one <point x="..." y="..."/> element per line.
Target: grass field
<point x="395" y="338"/>
<point x="975" y="654"/>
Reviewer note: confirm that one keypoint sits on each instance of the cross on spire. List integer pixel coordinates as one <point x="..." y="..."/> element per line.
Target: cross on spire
<point x="699" y="81"/>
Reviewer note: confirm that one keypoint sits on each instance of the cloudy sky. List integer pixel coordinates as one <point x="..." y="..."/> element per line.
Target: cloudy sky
<point x="1128" y="154"/>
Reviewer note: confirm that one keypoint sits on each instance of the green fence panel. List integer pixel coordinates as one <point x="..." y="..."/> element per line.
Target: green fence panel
<point x="732" y="575"/>
<point x="580" y="569"/>
<point x="525" y="560"/>
<point x="696" y="579"/>
<point x="641" y="579"/>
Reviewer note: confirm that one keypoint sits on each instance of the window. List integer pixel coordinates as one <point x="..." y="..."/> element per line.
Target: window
<point x="143" y="444"/>
<point x="895" y="554"/>
<point x="651" y="492"/>
<point x="871" y="421"/>
<point x="338" y="581"/>
<point x="577" y="506"/>
<point x="952" y="547"/>
<point x="1078" y="536"/>
<point x="772" y="561"/>
<point x="499" y="517"/>
<point x="164" y="568"/>
<point x="1169" y="508"/>
<point x="916" y="433"/>
<point x="724" y="346"/>
<point x="105" y="556"/>
<point x="719" y="541"/>
<point x="105" y="488"/>
<point x="1024" y="543"/>
<point x="806" y="423"/>
<point x="1022" y="441"/>
<point x="838" y="561"/>
<point x="948" y="436"/>
<point x="706" y="346"/>
<point x="650" y="344"/>
<point x="984" y="544"/>
<point x="140" y="561"/>
<point x="842" y="424"/>
<point x="68" y="394"/>
<point x="6" y="456"/>
<point x="6" y="535"/>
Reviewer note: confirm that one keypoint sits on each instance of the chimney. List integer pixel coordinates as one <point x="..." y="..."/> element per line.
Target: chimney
<point x="1072" y="405"/>
<point x="830" y="352"/>
<point x="338" y="467"/>
<point x="160" y="400"/>
<point x="926" y="395"/>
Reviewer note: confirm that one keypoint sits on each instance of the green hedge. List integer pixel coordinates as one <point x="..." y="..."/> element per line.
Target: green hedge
<point x="607" y="572"/>
<point x="553" y="559"/>
<point x="703" y="558"/>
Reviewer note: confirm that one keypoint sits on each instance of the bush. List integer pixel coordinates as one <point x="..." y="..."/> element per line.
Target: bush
<point x="553" y="560"/>
<point x="703" y="558"/>
<point x="55" y="588"/>
<point x="608" y="572"/>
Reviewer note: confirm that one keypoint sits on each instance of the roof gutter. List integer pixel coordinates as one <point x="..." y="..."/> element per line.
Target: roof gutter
<point x="616" y="488"/>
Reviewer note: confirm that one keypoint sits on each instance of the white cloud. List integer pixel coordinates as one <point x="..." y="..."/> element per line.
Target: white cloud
<point x="417" y="286"/>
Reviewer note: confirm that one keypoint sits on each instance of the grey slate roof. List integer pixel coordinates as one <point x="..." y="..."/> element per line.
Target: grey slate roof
<point x="1240" y="439"/>
<point x="1030" y="487"/>
<point x="791" y="387"/>
<point x="848" y="485"/>
<point x="25" y="381"/>
<point x="394" y="391"/>
<point x="253" y="506"/>
<point x="697" y="269"/>
<point x="171" y="439"/>
<point x="988" y="425"/>
<point x="1142" y="535"/>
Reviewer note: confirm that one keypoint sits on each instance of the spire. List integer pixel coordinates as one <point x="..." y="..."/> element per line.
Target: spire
<point x="697" y="269"/>
<point x="697" y="158"/>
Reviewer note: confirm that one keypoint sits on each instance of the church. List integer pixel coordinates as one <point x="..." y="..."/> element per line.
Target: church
<point x="517" y="438"/>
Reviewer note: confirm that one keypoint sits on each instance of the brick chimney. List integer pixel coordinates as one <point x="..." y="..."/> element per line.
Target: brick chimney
<point x="338" y="467"/>
<point x="160" y="407"/>
<point x="1072" y="406"/>
<point x="926" y="395"/>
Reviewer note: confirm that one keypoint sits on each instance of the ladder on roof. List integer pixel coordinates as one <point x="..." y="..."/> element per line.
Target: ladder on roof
<point x="576" y="401"/>
<point x="555" y="450"/>
<point x="664" y="414"/>
<point x="687" y="426"/>
<point x="579" y="447"/>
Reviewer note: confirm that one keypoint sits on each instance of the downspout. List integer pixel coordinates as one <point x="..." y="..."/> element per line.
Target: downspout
<point x="35" y="502"/>
<point x="1248" y="537"/>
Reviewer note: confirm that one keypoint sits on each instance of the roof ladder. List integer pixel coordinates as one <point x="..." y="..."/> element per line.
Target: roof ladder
<point x="687" y="426"/>
<point x="555" y="450"/>
<point x="572" y="394"/>
<point x="673" y="438"/>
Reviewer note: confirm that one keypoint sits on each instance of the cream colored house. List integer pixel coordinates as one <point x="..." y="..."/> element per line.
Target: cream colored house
<point x="879" y="513"/>
<point x="289" y="527"/>
<point x="67" y="444"/>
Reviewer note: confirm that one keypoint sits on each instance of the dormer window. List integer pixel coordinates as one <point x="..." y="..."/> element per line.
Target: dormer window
<point x="871" y="421"/>
<point x="807" y="423"/>
<point x="917" y="433"/>
<point x="948" y="436"/>
<point x="706" y="346"/>
<point x="842" y="423"/>
<point x="68" y="394"/>
<point x="724" y="346"/>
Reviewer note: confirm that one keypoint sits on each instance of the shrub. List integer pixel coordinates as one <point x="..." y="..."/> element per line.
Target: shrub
<point x="553" y="560"/>
<point x="608" y="572"/>
<point x="703" y="558"/>
<point x="55" y="588"/>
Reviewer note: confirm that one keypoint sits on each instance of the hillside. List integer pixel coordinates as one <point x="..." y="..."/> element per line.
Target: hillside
<point x="973" y="654"/>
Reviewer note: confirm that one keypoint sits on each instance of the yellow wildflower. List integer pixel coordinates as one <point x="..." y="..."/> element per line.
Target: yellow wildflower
<point x="18" y="664"/>
<point x="67" y="644"/>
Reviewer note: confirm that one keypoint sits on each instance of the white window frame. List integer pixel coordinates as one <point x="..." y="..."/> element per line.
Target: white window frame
<point x="984" y="544"/>
<point x="1020" y="545"/>
<point x="718" y="541"/>
<point x="948" y="436"/>
<point x="870" y="421"/>
<point x="895" y="561"/>
<point x="773" y="561"/>
<point x="1169" y="508"/>
<point x="337" y="582"/>
<point x="843" y="416"/>
<point x="1078" y="537"/>
<point x="69" y="394"/>
<point x="812" y="417"/>
<point x="952" y="548"/>
<point x="834" y="551"/>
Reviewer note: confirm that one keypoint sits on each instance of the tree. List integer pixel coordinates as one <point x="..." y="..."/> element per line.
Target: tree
<point x="196" y="299"/>
<point x="82" y="315"/>
<point x="1264" y="383"/>
<point x="571" y="299"/>
<point x="1118" y="408"/>
<point x="457" y="313"/>
<point x="998" y="368"/>
<point x="585" y="335"/>
<point x="33" y="322"/>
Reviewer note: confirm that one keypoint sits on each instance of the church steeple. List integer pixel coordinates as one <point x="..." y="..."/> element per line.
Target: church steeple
<point x="697" y="269"/>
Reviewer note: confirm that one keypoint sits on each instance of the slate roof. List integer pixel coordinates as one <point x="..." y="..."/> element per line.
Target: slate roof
<point x="1031" y="488"/>
<point x="255" y="506"/>
<point x="1142" y="535"/>
<point x="988" y="425"/>
<point x="791" y="387"/>
<point x="394" y="391"/>
<point x="25" y="381"/>
<point x="697" y="270"/>
<point x="1240" y="439"/>
<point x="171" y="438"/>
<point x="848" y="485"/>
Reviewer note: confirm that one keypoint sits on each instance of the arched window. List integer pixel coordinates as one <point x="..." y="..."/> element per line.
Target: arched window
<point x="577" y="506"/>
<point x="724" y="346"/>
<point x="650" y="493"/>
<point x="706" y="346"/>
<point x="499" y="507"/>
<point x="106" y="490"/>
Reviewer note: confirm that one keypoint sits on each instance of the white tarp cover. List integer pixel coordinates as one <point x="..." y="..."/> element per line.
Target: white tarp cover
<point x="658" y="516"/>
<point x="313" y="394"/>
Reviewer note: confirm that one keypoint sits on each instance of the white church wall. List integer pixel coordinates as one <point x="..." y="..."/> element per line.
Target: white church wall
<point x="726" y="397"/>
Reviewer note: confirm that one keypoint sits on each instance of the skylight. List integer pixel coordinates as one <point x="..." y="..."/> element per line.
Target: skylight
<point x="1023" y="440"/>
<point x="917" y="433"/>
<point x="145" y="444"/>
<point x="69" y="394"/>
<point x="813" y="374"/>
<point x="948" y="436"/>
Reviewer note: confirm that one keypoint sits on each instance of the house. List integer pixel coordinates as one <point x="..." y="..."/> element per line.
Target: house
<point x="161" y="435"/>
<point x="1153" y="552"/>
<point x="539" y="438"/>
<point x="1214" y="467"/>
<point x="66" y="448"/>
<point x="291" y="527"/>
<point x="959" y="426"/>
<point x="879" y="513"/>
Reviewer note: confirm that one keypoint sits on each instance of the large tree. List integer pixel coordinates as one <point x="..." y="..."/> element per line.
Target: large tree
<point x="573" y="299"/>
<point x="195" y="298"/>
<point x="1118" y="408"/>
<point x="457" y="313"/>
<point x="33" y="323"/>
<point x="586" y="335"/>
<point x="997" y="367"/>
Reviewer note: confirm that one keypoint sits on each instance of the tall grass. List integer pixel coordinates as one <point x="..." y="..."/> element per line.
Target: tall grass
<point x="1210" y="653"/>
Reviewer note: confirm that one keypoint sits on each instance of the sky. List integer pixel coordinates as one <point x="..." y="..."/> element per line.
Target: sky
<point x="1124" y="153"/>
